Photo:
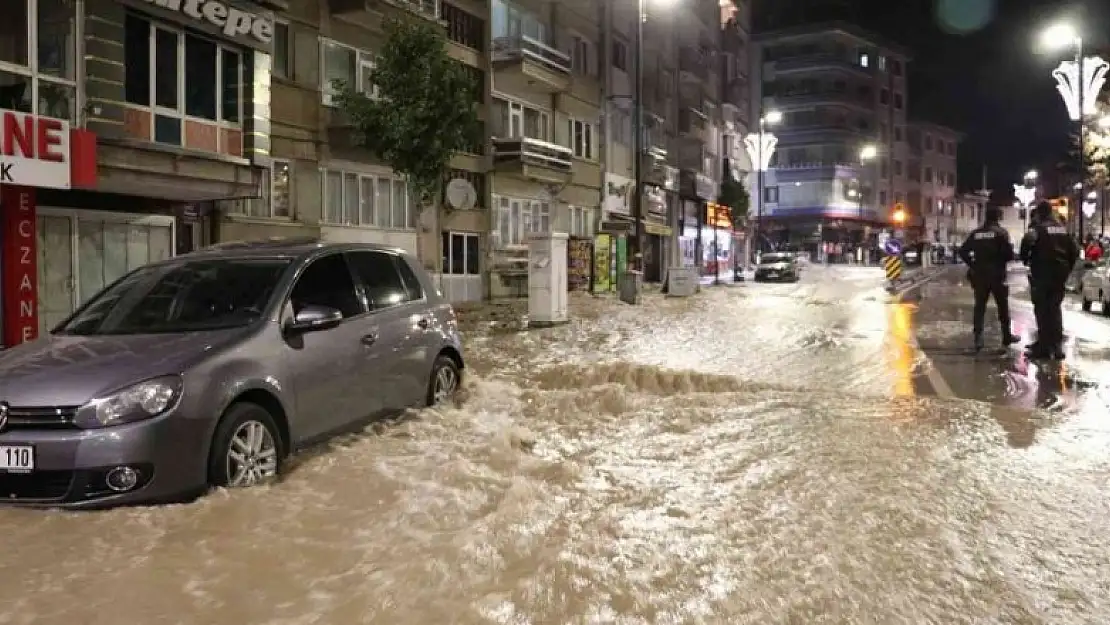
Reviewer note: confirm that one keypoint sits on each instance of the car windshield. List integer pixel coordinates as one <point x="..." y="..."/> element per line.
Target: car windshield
<point x="768" y="259"/>
<point x="186" y="296"/>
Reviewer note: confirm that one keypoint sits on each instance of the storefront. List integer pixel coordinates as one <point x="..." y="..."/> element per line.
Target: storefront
<point x="696" y="192"/>
<point x="41" y="154"/>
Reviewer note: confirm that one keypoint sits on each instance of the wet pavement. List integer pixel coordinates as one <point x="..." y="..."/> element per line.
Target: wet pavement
<point x="798" y="453"/>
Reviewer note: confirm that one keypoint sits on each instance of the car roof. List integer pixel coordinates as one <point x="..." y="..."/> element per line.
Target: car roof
<point x="283" y="247"/>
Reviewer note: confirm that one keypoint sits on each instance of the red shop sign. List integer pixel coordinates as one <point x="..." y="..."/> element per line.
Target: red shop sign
<point x="19" y="275"/>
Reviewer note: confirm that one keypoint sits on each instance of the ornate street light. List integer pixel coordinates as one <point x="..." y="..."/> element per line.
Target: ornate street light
<point x="760" y="147"/>
<point x="1079" y="83"/>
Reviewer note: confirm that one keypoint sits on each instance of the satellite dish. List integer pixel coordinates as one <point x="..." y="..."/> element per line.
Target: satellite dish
<point x="461" y="194"/>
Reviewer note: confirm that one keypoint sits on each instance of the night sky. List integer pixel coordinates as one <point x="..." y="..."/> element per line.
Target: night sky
<point x="976" y="68"/>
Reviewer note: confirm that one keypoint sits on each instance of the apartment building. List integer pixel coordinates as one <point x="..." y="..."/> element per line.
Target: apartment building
<point x="839" y="88"/>
<point x="931" y="171"/>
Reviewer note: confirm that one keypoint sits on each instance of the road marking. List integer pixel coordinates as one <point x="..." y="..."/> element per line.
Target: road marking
<point x="932" y="374"/>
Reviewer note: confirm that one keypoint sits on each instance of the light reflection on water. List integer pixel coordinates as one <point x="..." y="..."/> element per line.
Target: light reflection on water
<point x="777" y="476"/>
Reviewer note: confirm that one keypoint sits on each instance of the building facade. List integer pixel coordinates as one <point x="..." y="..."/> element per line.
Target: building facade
<point x="839" y="89"/>
<point x="931" y="172"/>
<point x="200" y="121"/>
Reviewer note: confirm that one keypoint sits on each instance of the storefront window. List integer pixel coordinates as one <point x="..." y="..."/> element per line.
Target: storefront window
<point x="43" y="82"/>
<point x="189" y="79"/>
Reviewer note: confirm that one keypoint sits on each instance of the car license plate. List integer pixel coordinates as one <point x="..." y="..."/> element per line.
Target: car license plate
<point x="17" y="458"/>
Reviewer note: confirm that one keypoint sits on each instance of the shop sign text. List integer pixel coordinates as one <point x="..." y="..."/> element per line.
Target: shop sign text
<point x="34" y="151"/>
<point x="20" y="270"/>
<point x="232" y="21"/>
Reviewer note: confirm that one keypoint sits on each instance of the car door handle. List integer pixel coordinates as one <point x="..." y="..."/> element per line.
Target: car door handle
<point x="422" y="323"/>
<point x="369" y="339"/>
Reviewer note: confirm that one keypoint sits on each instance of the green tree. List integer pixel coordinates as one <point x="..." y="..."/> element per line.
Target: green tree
<point x="423" y="109"/>
<point x="735" y="196"/>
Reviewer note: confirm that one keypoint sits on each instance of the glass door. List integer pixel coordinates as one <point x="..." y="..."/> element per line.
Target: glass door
<point x="55" y="270"/>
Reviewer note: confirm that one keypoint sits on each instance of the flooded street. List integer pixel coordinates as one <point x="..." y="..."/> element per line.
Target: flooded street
<point x="801" y="453"/>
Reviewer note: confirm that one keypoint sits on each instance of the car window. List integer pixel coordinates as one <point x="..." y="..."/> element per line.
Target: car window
<point x="186" y="296"/>
<point x="379" y="277"/>
<point x="326" y="282"/>
<point x="412" y="284"/>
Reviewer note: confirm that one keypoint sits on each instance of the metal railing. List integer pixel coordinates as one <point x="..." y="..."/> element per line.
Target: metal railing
<point x="532" y="152"/>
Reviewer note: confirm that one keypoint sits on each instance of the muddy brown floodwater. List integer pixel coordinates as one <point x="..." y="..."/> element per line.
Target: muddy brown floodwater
<point x="739" y="458"/>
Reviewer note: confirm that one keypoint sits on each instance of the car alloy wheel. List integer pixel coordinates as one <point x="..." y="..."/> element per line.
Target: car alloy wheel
<point x="252" y="456"/>
<point x="247" y="448"/>
<point x="444" y="382"/>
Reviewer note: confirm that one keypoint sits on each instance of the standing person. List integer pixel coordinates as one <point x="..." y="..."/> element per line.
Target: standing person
<point x="1050" y="254"/>
<point x="986" y="252"/>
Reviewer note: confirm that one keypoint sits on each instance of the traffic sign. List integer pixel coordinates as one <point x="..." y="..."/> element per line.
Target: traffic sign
<point x="893" y="267"/>
<point x="892" y="247"/>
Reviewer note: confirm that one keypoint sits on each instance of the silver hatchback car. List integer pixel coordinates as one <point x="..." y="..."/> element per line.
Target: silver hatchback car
<point x="209" y="369"/>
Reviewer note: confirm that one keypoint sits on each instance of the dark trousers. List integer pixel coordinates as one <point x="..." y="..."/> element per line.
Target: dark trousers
<point x="1048" y="298"/>
<point x="984" y="290"/>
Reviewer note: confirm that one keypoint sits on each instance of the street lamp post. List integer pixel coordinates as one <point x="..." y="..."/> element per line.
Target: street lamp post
<point x="636" y="253"/>
<point x="866" y="154"/>
<point x="1079" y="83"/>
<point x="761" y="147"/>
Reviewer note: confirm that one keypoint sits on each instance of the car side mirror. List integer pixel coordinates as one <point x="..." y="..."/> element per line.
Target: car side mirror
<point x="314" y="318"/>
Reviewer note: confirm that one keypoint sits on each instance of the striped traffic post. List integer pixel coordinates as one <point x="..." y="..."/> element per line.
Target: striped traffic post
<point x="893" y="267"/>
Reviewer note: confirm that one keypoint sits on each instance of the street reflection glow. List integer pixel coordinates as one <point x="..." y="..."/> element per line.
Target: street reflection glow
<point x="901" y="352"/>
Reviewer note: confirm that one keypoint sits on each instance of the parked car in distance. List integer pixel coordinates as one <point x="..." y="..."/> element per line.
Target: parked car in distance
<point x="210" y="368"/>
<point x="781" y="266"/>
<point x="1095" y="286"/>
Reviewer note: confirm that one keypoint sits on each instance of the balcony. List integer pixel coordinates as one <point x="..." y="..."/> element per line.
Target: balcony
<point x="815" y="63"/>
<point x="428" y="9"/>
<point x="537" y="63"/>
<point x="692" y="123"/>
<point x="692" y="66"/>
<point x="533" y="159"/>
<point x="806" y="99"/>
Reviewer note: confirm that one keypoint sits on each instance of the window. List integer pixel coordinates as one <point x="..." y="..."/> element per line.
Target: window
<point x="512" y="21"/>
<point x="882" y="63"/>
<point x="176" y="77"/>
<point x="37" y="58"/>
<point x="771" y="195"/>
<point x="465" y="29"/>
<point x="344" y="66"/>
<point x="517" y="219"/>
<point x="896" y="67"/>
<point x="581" y="222"/>
<point x="864" y="59"/>
<point x="884" y="169"/>
<point x="377" y="274"/>
<point x="620" y="126"/>
<point x="283" y="51"/>
<point x="277" y="195"/>
<point x="353" y="199"/>
<point x="897" y="133"/>
<point x="951" y="148"/>
<point x="898" y="101"/>
<point x="460" y="253"/>
<point x="413" y="289"/>
<point x="581" y="56"/>
<point x="582" y="139"/>
<point x="620" y="55"/>
<point x="928" y="142"/>
<point x="884" y="96"/>
<point x="519" y="120"/>
<point x="882" y="198"/>
<point x="928" y="174"/>
<point x="897" y="168"/>
<point x="326" y="282"/>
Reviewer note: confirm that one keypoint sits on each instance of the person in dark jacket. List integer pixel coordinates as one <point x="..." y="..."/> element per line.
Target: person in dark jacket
<point x="1051" y="254"/>
<point x="986" y="252"/>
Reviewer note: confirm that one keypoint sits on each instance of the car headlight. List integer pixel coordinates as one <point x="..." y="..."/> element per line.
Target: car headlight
<point x="134" y="403"/>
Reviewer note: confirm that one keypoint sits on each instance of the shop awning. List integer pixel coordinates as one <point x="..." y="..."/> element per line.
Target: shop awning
<point x="141" y="168"/>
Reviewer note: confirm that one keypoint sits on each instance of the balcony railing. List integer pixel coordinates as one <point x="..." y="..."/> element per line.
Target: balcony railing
<point x="527" y="151"/>
<point x="524" y="48"/>
<point x="692" y="64"/>
<point x="823" y="95"/>
<point x="817" y="61"/>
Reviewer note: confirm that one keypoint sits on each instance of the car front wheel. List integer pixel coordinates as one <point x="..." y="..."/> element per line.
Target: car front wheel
<point x="444" y="381"/>
<point x="246" y="449"/>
